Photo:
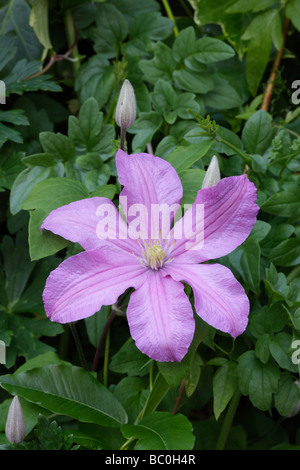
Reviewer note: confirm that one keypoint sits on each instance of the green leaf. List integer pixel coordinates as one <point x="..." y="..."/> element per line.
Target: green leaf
<point x="258" y="133"/>
<point x="257" y="380"/>
<point x="224" y="386"/>
<point x="249" y="5"/>
<point x="88" y="132"/>
<point x="14" y="17"/>
<point x="96" y="78"/>
<point x="111" y="29"/>
<point x="38" y="20"/>
<point x="286" y="253"/>
<point x="57" y="145"/>
<point x="279" y="346"/>
<point x="287" y="397"/>
<point x="145" y="126"/>
<point x="286" y="203"/>
<point x="193" y="81"/>
<point x="45" y="197"/>
<point x="191" y="181"/>
<point x="144" y="29"/>
<point x="161" y="66"/>
<point x="23" y="185"/>
<point x="172" y="104"/>
<point x="246" y="260"/>
<point x="292" y="11"/>
<point x="183" y="157"/>
<point x="204" y="50"/>
<point x="129" y="360"/>
<point x="67" y="390"/>
<point x="161" y="431"/>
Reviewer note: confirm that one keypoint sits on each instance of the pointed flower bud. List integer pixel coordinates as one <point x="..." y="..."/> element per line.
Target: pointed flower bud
<point x="126" y="107"/>
<point x="15" y="423"/>
<point x="212" y="176"/>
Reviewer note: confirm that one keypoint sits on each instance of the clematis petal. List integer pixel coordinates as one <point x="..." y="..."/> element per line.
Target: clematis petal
<point x="149" y="183"/>
<point x="229" y="212"/>
<point x="83" y="283"/>
<point x="220" y="300"/>
<point x="160" y="318"/>
<point x="92" y="222"/>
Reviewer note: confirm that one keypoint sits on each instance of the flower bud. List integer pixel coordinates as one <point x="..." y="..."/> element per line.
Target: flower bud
<point x="212" y="176"/>
<point x="126" y="107"/>
<point x="15" y="423"/>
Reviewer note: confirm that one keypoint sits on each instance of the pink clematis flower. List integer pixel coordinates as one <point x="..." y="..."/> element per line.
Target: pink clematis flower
<point x="159" y="313"/>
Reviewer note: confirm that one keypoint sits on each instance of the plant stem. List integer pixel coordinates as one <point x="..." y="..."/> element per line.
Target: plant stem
<point x="275" y="68"/>
<point x="72" y="41"/>
<point x="171" y="16"/>
<point x="106" y="358"/>
<point x="78" y="345"/>
<point x="294" y="273"/>
<point x="178" y="399"/>
<point x="244" y="156"/>
<point x="122" y="139"/>
<point x="228" y="421"/>
<point x="112" y="314"/>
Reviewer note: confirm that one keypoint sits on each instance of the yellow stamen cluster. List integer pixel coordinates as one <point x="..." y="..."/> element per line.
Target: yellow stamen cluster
<point x="155" y="256"/>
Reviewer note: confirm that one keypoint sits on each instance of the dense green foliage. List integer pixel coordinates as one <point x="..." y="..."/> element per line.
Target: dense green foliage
<point x="200" y="79"/>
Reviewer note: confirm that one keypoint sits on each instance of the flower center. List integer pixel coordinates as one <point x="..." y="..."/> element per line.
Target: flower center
<point x="155" y="255"/>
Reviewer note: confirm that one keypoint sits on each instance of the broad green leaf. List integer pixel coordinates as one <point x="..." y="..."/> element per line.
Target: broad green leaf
<point x="191" y="181"/>
<point x="249" y="5"/>
<point x="110" y="30"/>
<point x="182" y="158"/>
<point x="45" y="197"/>
<point x="14" y="18"/>
<point x="67" y="390"/>
<point x="279" y="347"/>
<point x="224" y="386"/>
<point x="161" y="66"/>
<point x="173" y="104"/>
<point x="57" y="145"/>
<point x="286" y="253"/>
<point x="23" y="185"/>
<point x="223" y="95"/>
<point x="129" y="360"/>
<point x="267" y="320"/>
<point x="257" y="380"/>
<point x="193" y="81"/>
<point x="288" y="396"/>
<point x="96" y="78"/>
<point x="144" y="29"/>
<point x="85" y="130"/>
<point x="161" y="431"/>
<point x="246" y="260"/>
<point x="204" y="50"/>
<point x="262" y="350"/>
<point x="286" y="203"/>
<point x="258" y="133"/>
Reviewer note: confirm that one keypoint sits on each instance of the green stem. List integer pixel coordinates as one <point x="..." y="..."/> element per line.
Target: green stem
<point x="294" y="273"/>
<point x="78" y="345"/>
<point x="226" y="426"/>
<point x="171" y="16"/>
<point x="71" y="37"/>
<point x="244" y="156"/>
<point x="111" y="316"/>
<point x="122" y="139"/>
<point x="106" y="359"/>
